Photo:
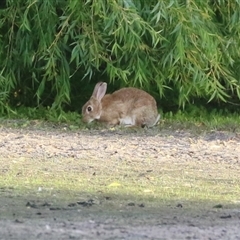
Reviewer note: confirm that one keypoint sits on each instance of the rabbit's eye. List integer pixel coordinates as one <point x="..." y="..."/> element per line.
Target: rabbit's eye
<point x="89" y="108"/>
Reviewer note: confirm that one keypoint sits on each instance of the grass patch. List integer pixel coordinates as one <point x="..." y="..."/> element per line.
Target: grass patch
<point x="146" y="181"/>
<point x="198" y="119"/>
<point x="201" y="119"/>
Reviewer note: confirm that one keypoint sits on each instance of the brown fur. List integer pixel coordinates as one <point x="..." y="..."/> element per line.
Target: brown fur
<point x="126" y="103"/>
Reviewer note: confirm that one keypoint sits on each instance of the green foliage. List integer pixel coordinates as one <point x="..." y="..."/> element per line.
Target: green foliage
<point x="42" y="114"/>
<point x="178" y="50"/>
<point x="199" y="119"/>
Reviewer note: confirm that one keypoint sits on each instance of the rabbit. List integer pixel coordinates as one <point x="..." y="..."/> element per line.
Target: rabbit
<point x="127" y="106"/>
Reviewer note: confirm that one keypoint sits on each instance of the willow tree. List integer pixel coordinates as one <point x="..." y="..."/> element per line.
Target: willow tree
<point x="182" y="49"/>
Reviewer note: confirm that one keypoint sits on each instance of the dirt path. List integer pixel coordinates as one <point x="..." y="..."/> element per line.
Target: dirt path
<point x="163" y="146"/>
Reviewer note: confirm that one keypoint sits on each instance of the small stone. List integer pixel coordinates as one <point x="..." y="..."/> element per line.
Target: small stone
<point x="218" y="206"/>
<point x="131" y="204"/>
<point x="179" y="205"/>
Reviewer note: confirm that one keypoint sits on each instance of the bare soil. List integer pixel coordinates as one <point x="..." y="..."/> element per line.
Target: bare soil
<point x="28" y="217"/>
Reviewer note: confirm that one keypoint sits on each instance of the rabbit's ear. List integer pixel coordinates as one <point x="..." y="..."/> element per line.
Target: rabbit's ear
<point x="99" y="90"/>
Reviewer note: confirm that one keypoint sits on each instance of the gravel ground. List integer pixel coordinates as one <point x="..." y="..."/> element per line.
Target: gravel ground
<point x="166" y="146"/>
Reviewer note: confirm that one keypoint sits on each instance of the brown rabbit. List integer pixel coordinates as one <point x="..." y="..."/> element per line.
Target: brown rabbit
<point x="127" y="106"/>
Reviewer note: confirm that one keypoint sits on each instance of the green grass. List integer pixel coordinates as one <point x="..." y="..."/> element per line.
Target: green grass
<point x="152" y="182"/>
<point x="198" y="119"/>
